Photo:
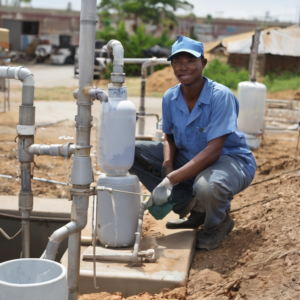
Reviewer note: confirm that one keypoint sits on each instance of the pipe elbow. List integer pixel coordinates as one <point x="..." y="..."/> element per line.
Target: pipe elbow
<point x="117" y="49"/>
<point x="112" y="44"/>
<point x="81" y="220"/>
<point x="26" y="77"/>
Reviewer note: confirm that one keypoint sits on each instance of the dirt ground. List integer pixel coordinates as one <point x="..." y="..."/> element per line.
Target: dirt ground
<point x="259" y="259"/>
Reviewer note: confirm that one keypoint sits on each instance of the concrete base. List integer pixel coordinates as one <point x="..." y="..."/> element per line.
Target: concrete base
<point x="174" y="251"/>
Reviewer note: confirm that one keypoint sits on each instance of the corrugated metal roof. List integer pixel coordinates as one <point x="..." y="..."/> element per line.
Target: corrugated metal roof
<point x="273" y="41"/>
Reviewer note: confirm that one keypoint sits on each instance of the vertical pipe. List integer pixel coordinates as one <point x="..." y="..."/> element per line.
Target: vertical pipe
<point x="141" y="125"/>
<point x="25" y="234"/>
<point x="88" y="19"/>
<point x="25" y="206"/>
<point x="86" y="67"/>
<point x="73" y="264"/>
<point x="253" y="54"/>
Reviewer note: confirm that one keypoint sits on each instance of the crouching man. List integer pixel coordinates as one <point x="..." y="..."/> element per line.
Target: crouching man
<point x="204" y="160"/>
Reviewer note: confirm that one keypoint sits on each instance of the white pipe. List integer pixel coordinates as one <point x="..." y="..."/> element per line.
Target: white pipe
<point x="25" y="131"/>
<point x="142" y="112"/>
<point x="117" y="49"/>
<point x="117" y="77"/>
<point x="138" y="234"/>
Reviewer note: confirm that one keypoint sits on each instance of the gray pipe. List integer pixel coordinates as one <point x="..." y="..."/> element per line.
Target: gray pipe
<point x="65" y="150"/>
<point x="74" y="265"/>
<point x="142" y="112"/>
<point x="79" y="220"/>
<point x="83" y="119"/>
<point x="25" y="131"/>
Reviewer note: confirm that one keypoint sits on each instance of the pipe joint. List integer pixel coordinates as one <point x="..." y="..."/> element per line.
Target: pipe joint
<point x="25" y="201"/>
<point x="64" y="150"/>
<point x="95" y="93"/>
<point x="117" y="49"/>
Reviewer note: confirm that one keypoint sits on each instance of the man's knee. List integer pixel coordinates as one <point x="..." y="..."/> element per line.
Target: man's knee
<point x="206" y="189"/>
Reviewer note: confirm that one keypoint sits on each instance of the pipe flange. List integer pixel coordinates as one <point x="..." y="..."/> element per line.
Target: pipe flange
<point x="25" y="129"/>
<point x="117" y="78"/>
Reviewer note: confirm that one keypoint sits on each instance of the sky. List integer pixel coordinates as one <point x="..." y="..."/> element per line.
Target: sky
<point x="277" y="9"/>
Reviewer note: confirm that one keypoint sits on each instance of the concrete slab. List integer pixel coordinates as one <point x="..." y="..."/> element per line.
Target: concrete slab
<point x="48" y="215"/>
<point x="59" y="209"/>
<point x="174" y="251"/>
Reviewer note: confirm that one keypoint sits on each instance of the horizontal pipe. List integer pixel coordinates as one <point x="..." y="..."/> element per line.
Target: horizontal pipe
<point x="123" y="257"/>
<point x="153" y="62"/>
<point x="38" y="218"/>
<point x="37" y="179"/>
<point x="65" y="150"/>
<point x="142" y="60"/>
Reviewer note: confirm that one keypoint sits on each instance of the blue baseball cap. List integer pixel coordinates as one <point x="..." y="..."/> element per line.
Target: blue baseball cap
<point x="185" y="44"/>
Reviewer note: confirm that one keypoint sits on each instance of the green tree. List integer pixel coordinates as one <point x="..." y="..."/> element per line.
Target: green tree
<point x="134" y="44"/>
<point x="152" y="11"/>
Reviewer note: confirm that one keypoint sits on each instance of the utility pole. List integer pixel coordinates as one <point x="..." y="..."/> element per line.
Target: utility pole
<point x="253" y="55"/>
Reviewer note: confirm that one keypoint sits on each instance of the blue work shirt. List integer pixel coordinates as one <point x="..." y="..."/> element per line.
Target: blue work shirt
<point x="215" y="114"/>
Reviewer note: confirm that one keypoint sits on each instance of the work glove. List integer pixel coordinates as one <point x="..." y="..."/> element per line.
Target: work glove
<point x="161" y="193"/>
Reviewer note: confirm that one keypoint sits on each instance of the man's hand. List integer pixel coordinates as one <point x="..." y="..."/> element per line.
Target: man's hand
<point x="161" y="193"/>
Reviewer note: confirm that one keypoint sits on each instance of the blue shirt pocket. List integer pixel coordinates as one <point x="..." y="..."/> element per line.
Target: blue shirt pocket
<point x="177" y="137"/>
<point x="201" y="139"/>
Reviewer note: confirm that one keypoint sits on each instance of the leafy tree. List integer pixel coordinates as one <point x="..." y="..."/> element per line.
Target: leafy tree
<point x="152" y="11"/>
<point x="134" y="45"/>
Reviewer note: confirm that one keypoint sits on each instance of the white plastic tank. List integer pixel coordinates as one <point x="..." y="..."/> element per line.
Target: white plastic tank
<point x="33" y="278"/>
<point x="116" y="133"/>
<point x="252" y="99"/>
<point x="118" y="218"/>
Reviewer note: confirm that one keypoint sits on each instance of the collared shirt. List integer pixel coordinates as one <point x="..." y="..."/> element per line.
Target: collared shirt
<point x="215" y="114"/>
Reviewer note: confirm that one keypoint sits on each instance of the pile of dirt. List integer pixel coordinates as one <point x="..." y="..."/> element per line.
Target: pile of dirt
<point x="178" y="293"/>
<point x="285" y="95"/>
<point x="162" y="80"/>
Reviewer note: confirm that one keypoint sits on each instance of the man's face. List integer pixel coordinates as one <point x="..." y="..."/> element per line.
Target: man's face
<point x="187" y="68"/>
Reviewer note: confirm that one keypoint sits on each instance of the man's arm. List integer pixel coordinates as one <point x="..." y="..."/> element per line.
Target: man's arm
<point x="200" y="162"/>
<point x="170" y="151"/>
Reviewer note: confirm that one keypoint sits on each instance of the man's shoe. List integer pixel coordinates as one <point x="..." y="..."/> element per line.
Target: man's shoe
<point x="213" y="238"/>
<point x="194" y="220"/>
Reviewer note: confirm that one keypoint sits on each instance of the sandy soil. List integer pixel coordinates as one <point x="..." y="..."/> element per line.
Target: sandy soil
<point x="286" y="95"/>
<point x="161" y="80"/>
<point x="258" y="260"/>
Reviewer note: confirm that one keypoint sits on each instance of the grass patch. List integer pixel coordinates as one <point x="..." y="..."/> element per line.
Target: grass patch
<point x="66" y="93"/>
<point x="225" y="74"/>
<point x="57" y="94"/>
<point x="284" y="81"/>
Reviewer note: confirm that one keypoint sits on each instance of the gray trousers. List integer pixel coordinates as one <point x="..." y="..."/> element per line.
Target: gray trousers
<point x="210" y="192"/>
